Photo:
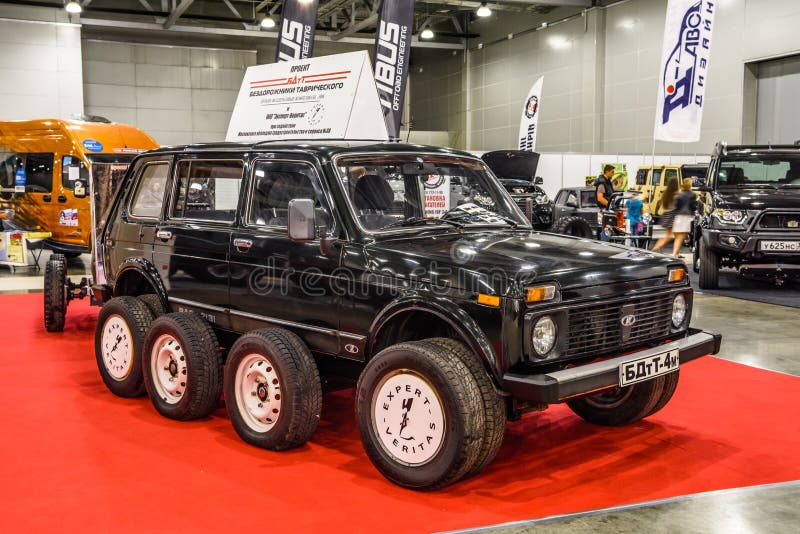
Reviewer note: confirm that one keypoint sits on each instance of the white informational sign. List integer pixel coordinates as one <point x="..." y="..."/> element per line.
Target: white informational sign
<point x="684" y="70"/>
<point x="329" y="97"/>
<point x="437" y="195"/>
<point x="530" y="117"/>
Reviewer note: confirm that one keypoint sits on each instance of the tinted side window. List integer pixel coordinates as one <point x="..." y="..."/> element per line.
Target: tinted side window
<point x="588" y="199"/>
<point x="150" y="189"/>
<point x="670" y="173"/>
<point x="9" y="161"/>
<point x="275" y="183"/>
<point x="208" y="189"/>
<point x="73" y="170"/>
<point x="641" y="177"/>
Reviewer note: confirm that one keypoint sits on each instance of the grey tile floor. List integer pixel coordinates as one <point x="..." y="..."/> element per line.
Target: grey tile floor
<point x="755" y="334"/>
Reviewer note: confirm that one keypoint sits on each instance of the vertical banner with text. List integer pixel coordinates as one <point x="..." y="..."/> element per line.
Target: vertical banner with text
<point x="684" y="70"/>
<point x="530" y="117"/>
<point x="392" y="47"/>
<point x="296" y="34"/>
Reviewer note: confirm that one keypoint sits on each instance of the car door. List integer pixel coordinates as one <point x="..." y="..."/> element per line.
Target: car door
<point x="277" y="281"/>
<point x="191" y="244"/>
<point x="134" y="231"/>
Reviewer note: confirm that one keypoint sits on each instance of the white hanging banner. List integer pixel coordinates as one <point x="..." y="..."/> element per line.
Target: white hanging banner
<point x="530" y="117"/>
<point x="329" y="97"/>
<point x="684" y="70"/>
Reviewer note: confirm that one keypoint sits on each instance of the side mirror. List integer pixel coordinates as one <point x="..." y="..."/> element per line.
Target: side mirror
<point x="538" y="180"/>
<point x="302" y="226"/>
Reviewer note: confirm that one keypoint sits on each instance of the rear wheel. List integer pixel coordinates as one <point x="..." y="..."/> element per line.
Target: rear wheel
<point x="118" y="341"/>
<point x="574" y="226"/>
<point x="272" y="389"/>
<point x="709" y="267"/>
<point x="154" y="304"/>
<point x="419" y="415"/>
<point x="55" y="293"/>
<point x="621" y="405"/>
<point x="182" y="366"/>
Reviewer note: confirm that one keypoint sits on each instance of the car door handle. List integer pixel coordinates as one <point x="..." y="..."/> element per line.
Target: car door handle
<point x="62" y="198"/>
<point x="47" y="198"/>
<point x="164" y="235"/>
<point x="242" y="244"/>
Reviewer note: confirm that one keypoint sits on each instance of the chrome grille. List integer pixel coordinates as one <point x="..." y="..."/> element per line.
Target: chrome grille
<point x="786" y="221"/>
<point x="597" y="328"/>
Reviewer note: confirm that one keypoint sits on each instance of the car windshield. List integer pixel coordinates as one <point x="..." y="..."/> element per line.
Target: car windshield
<point x="389" y="191"/>
<point x="759" y="170"/>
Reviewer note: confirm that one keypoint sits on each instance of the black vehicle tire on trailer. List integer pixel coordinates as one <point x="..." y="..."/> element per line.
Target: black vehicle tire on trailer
<point x="182" y="366"/>
<point x="574" y="226"/>
<point x="273" y="392"/>
<point x="55" y="293"/>
<point x="494" y="409"/>
<point x="154" y="303"/>
<point x="670" y="385"/>
<point x="446" y="432"/>
<point x="620" y="406"/>
<point x="709" y="268"/>
<point x="118" y="343"/>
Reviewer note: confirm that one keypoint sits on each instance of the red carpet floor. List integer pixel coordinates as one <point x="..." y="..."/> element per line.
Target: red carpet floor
<point x="75" y="458"/>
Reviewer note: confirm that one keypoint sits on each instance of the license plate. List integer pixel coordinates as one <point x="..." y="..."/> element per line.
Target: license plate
<point x="781" y="246"/>
<point x="642" y="369"/>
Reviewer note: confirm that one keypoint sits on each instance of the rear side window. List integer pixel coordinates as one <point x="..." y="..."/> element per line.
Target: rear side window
<point x="149" y="196"/>
<point x="641" y="177"/>
<point x="275" y="183"/>
<point x="670" y="173"/>
<point x="207" y="190"/>
<point x="655" y="178"/>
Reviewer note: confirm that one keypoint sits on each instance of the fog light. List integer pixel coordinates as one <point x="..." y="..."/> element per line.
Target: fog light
<point x="544" y="335"/>
<point x="678" y="311"/>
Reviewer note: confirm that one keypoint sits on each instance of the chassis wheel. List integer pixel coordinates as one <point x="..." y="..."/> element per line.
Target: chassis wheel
<point x="621" y="405"/>
<point x="182" y="366"/>
<point x="418" y="412"/>
<point x="574" y="226"/>
<point x="493" y="407"/>
<point x="709" y="268"/>
<point x="55" y="293"/>
<point x="118" y="340"/>
<point x="272" y="389"/>
<point x="154" y="304"/>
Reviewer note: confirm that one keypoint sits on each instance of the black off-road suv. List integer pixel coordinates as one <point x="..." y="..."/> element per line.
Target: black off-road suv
<point x="750" y="214"/>
<point x="264" y="267"/>
<point x="516" y="170"/>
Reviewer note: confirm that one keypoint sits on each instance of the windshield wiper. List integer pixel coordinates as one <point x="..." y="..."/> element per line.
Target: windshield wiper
<point x="418" y="221"/>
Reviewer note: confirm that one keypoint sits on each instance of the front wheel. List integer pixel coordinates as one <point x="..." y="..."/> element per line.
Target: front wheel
<point x="55" y="293"/>
<point x="621" y="406"/>
<point x="419" y="415"/>
<point x="574" y="226"/>
<point x="709" y="267"/>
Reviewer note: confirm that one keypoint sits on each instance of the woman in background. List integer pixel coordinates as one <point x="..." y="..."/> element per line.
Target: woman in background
<point x="685" y="208"/>
<point x="668" y="217"/>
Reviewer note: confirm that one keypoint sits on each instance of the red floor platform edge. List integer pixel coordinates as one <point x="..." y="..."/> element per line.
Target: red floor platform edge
<point x="75" y="457"/>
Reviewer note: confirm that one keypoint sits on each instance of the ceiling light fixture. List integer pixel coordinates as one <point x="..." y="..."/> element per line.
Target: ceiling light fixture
<point x="427" y="33"/>
<point x="268" y="22"/>
<point x="483" y="10"/>
<point x="73" y="7"/>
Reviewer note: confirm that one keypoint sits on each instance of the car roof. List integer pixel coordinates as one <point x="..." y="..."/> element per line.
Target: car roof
<point x="315" y="146"/>
<point x="763" y="148"/>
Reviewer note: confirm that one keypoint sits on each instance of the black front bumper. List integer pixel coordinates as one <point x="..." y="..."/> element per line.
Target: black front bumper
<point x="744" y="246"/>
<point x="558" y="386"/>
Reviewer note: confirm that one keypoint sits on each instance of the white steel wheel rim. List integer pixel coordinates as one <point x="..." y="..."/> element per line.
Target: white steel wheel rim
<point x="117" y="348"/>
<point x="168" y="366"/>
<point x="258" y="392"/>
<point x="408" y="418"/>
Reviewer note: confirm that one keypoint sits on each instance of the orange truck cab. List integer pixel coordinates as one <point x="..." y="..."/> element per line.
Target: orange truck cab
<point x="45" y="169"/>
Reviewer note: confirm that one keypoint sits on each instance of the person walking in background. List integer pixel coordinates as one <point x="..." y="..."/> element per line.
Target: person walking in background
<point x="634" y="216"/>
<point x="668" y="217"/>
<point x="685" y="208"/>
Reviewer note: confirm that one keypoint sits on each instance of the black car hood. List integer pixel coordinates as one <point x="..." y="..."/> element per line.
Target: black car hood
<point x="758" y="198"/>
<point x="501" y="261"/>
<point x="512" y="163"/>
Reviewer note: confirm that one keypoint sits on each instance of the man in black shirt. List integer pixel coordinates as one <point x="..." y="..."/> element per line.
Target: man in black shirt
<point x="603" y="186"/>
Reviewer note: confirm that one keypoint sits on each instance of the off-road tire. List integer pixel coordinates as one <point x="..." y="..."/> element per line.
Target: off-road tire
<point x="709" y="268"/>
<point x="450" y="397"/>
<point x="494" y="410"/>
<point x="280" y="360"/>
<point x="621" y="405"/>
<point x="574" y="226"/>
<point x="198" y="366"/>
<point x="55" y="294"/>
<point x="670" y="385"/>
<point x="154" y="303"/>
<point x="136" y="317"/>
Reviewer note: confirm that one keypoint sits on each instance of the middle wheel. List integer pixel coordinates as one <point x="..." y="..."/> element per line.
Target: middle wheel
<point x="182" y="366"/>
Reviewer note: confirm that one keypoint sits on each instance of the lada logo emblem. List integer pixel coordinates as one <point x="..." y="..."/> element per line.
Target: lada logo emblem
<point x="352" y="349"/>
<point x="628" y="320"/>
<point x="793" y="223"/>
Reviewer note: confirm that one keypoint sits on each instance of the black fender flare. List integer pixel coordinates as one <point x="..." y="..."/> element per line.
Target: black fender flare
<point x="454" y="316"/>
<point x="146" y="270"/>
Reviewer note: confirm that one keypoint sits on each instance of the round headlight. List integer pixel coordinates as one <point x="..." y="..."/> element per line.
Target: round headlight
<point x="542" y="199"/>
<point x="678" y="311"/>
<point x="544" y="335"/>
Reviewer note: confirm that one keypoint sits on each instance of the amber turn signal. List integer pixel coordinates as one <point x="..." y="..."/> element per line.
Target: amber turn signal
<point x="676" y="275"/>
<point x="489" y="300"/>
<point x="541" y="293"/>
